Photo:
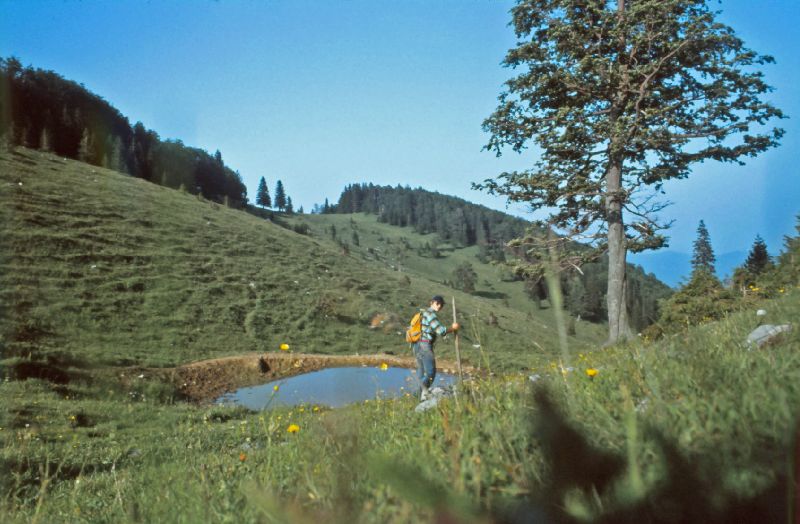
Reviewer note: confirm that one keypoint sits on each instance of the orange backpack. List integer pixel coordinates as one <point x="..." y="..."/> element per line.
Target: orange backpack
<point x="414" y="331"/>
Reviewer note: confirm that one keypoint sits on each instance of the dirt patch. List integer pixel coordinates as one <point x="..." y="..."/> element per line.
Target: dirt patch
<point x="208" y="379"/>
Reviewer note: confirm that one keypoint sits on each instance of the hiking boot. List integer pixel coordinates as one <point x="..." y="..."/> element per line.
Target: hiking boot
<point x="425" y="395"/>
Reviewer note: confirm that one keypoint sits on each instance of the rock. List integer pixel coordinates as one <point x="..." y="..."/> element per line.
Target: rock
<point x="764" y="334"/>
<point x="437" y="395"/>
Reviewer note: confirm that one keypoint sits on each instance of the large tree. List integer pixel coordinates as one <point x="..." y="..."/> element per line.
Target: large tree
<point x="617" y="98"/>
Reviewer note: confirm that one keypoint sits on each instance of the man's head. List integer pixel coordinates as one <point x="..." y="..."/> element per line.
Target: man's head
<point x="437" y="303"/>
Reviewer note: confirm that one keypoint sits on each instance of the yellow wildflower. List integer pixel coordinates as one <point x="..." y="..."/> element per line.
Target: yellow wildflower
<point x="276" y="387"/>
<point x="592" y="372"/>
<point x="293" y="428"/>
<point x="384" y="366"/>
<point x="284" y="347"/>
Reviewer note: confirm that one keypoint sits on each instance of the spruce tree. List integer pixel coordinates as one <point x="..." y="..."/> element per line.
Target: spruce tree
<point x="703" y="255"/>
<point x="280" y="196"/>
<point x="289" y="206"/>
<point x="621" y="97"/>
<point x="758" y="260"/>
<point x="262" y="194"/>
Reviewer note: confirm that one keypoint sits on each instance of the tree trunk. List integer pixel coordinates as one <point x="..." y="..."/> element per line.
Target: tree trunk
<point x="618" y="325"/>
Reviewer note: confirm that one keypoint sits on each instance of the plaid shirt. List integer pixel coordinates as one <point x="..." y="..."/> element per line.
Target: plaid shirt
<point x="431" y="326"/>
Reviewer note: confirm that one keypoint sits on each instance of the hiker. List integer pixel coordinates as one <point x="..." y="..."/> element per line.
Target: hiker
<point x="423" y="349"/>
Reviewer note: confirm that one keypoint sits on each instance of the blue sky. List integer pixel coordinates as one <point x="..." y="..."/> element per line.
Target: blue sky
<point x="320" y="94"/>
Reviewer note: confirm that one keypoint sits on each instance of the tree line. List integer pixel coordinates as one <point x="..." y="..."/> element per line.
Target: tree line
<point x="454" y="220"/>
<point x="42" y="110"/>
<point x="705" y="298"/>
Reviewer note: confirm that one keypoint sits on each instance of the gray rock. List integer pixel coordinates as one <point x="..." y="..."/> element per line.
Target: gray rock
<point x="437" y="395"/>
<point x="763" y="334"/>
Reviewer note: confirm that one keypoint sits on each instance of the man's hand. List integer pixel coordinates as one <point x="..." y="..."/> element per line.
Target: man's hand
<point x="455" y="327"/>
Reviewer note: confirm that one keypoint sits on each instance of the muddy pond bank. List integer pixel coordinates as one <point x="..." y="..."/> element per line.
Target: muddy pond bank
<point x="205" y="380"/>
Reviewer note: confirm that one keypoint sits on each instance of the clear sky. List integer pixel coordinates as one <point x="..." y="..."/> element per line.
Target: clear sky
<point x="320" y="94"/>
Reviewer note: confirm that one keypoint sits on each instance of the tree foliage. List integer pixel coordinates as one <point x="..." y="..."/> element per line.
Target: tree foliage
<point x="702" y="253"/>
<point x="619" y="98"/>
<point x="280" y="196"/>
<point x="465" y="277"/>
<point x="702" y="299"/>
<point x="262" y="194"/>
<point x="758" y="259"/>
<point x="40" y="109"/>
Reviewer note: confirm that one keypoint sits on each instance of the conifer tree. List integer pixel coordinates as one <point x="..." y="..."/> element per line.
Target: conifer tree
<point x="280" y="196"/>
<point x="758" y="260"/>
<point x="703" y="255"/>
<point x="262" y="194"/>
<point x="620" y="97"/>
<point x="289" y="206"/>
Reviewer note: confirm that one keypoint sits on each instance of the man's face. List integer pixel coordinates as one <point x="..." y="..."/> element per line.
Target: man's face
<point x="436" y="306"/>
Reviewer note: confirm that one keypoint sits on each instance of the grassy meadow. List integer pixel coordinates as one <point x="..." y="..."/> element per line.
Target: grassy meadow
<point x="103" y="269"/>
<point x="104" y="275"/>
<point x="693" y="428"/>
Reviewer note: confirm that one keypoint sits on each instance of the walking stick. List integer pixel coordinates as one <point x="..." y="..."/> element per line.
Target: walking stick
<point x="458" y="353"/>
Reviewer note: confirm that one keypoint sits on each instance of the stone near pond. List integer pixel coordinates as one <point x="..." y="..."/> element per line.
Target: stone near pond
<point x="437" y="395"/>
<point x="763" y="334"/>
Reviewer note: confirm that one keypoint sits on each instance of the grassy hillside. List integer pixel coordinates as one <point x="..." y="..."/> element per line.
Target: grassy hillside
<point x="100" y="268"/>
<point x="400" y="249"/>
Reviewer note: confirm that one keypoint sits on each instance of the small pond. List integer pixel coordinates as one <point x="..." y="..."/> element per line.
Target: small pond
<point x="333" y="387"/>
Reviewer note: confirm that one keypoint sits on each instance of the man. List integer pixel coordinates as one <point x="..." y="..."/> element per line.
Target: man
<point x="423" y="350"/>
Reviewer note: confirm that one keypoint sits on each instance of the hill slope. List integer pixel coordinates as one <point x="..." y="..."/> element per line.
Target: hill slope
<point x="106" y="269"/>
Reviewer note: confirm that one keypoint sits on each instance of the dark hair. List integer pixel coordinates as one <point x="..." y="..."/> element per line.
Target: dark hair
<point x="438" y="299"/>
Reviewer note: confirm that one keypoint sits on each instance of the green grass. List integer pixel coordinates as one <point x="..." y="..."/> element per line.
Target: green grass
<point x="103" y="269"/>
<point x="695" y="427"/>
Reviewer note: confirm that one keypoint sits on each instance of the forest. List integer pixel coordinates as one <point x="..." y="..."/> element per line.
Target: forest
<point x="42" y="110"/>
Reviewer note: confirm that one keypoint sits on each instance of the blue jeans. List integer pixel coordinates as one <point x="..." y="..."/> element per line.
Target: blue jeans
<point x="426" y="363"/>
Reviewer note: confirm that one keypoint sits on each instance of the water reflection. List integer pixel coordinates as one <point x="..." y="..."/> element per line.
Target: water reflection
<point x="333" y="387"/>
